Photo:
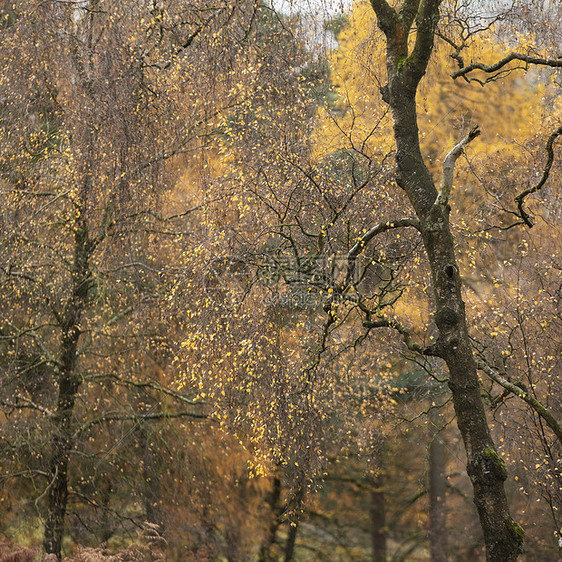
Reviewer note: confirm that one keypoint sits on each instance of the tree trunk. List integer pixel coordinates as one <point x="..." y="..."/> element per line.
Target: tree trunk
<point x="378" y="520"/>
<point x="105" y="488"/>
<point x="150" y="462"/>
<point x="437" y="490"/>
<point x="291" y="541"/>
<point x="69" y="383"/>
<point x="487" y="471"/>
<point x="276" y="509"/>
<point x="503" y="537"/>
<point x="152" y="495"/>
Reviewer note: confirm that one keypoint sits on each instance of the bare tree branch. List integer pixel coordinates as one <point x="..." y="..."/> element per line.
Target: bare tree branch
<point x="520" y="390"/>
<point x="465" y="70"/>
<point x="396" y="325"/>
<point x="449" y="166"/>
<point x="360" y="245"/>
<point x="520" y="199"/>
<point x="120" y="416"/>
<point x="114" y="377"/>
<point x="22" y="402"/>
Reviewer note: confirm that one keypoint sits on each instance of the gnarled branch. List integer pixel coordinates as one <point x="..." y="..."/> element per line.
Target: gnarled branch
<point x="491" y="68"/>
<point x="520" y="199"/>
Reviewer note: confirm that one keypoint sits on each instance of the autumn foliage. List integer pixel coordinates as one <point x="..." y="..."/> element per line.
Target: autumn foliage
<point x="279" y="284"/>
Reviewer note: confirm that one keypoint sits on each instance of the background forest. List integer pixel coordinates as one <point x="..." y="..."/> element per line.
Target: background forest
<point x="250" y="311"/>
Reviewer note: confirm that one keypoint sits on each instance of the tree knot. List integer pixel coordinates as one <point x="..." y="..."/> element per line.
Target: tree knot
<point x="487" y="467"/>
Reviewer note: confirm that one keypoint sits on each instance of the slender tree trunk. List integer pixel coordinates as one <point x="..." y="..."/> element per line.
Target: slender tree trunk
<point x="151" y="475"/>
<point x="276" y="508"/>
<point x="437" y="490"/>
<point x="291" y="541"/>
<point x="69" y="383"/>
<point x="503" y="537"/>
<point x="106" y="489"/>
<point x="152" y="490"/>
<point x="378" y="520"/>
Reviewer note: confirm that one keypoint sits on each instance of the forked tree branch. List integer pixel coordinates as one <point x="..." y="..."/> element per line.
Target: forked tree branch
<point x="491" y="68"/>
<point x="520" y="199"/>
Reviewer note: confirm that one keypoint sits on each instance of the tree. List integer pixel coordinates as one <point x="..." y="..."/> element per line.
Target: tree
<point x="97" y="98"/>
<point x="406" y="67"/>
<point x="190" y="171"/>
<point x="407" y="59"/>
<point x="333" y="198"/>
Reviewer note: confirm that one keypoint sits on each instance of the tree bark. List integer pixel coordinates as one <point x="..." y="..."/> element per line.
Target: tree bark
<point x="503" y="537"/>
<point x="150" y="465"/>
<point x="291" y="541"/>
<point x="69" y="383"/>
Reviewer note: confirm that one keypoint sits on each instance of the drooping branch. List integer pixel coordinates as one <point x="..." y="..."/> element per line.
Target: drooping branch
<point x="493" y="68"/>
<point x="449" y="166"/>
<point x="521" y="391"/>
<point x="520" y="199"/>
